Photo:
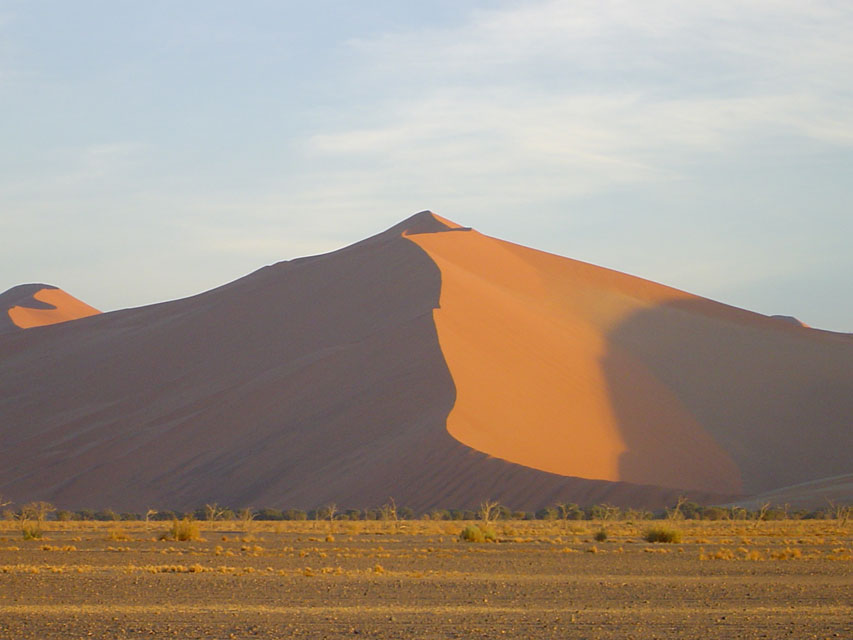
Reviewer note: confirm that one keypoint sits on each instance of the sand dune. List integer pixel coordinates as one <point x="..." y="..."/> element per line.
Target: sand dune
<point x="432" y="364"/>
<point x="579" y="370"/>
<point x="37" y="305"/>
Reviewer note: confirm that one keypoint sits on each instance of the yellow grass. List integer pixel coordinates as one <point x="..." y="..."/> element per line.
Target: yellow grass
<point x="554" y="532"/>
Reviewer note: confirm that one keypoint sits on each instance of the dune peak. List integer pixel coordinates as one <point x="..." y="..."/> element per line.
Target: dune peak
<point x="426" y="222"/>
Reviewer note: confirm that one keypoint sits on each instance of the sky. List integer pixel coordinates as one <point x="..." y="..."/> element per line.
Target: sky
<point x="153" y="150"/>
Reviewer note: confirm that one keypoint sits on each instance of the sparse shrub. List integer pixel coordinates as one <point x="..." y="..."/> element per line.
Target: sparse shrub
<point x="715" y="513"/>
<point x="720" y="554"/>
<point x="31" y="531"/>
<point x="477" y="533"/>
<point x="269" y="514"/>
<point x="662" y="534"/>
<point x="786" y="554"/>
<point x="472" y="533"/>
<point x="183" y="531"/>
<point x="604" y="511"/>
<point x="600" y="536"/>
<point x="632" y="515"/>
<point x="118" y="534"/>
<point x="548" y="513"/>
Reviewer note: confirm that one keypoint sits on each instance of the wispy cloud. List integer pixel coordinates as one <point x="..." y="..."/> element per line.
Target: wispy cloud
<point x="598" y="94"/>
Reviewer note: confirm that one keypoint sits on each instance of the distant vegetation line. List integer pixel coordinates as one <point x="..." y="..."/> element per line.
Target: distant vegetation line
<point x="488" y="511"/>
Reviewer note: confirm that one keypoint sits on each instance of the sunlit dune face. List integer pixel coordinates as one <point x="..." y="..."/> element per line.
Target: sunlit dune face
<point x="525" y="337"/>
<point x="66" y="308"/>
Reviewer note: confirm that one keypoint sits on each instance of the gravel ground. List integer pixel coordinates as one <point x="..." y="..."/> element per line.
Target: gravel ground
<point x="81" y="584"/>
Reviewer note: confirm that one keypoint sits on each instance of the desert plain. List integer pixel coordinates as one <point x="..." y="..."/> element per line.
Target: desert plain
<point x="418" y="579"/>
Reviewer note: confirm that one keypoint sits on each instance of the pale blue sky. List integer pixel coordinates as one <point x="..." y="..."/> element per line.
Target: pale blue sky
<point x="153" y="150"/>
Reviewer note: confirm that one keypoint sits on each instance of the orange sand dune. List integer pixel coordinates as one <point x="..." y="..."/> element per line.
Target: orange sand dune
<point x="64" y="308"/>
<point x="429" y="363"/>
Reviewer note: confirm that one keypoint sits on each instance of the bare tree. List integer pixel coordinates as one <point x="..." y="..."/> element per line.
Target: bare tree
<point x="4" y="502"/>
<point x="37" y="511"/>
<point x="389" y="510"/>
<point x="761" y="515"/>
<point x="213" y="512"/>
<point x="246" y="516"/>
<point x="489" y="511"/>
<point x="148" y="513"/>
<point x="566" y="509"/>
<point x="840" y="512"/>
<point x="611" y="512"/>
<point x="328" y="513"/>
<point x="675" y="512"/>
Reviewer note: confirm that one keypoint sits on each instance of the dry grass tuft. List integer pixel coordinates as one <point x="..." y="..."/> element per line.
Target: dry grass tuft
<point x="31" y="531"/>
<point x="662" y="534"/>
<point x="720" y="554"/>
<point x="786" y="554"/>
<point x="119" y="535"/>
<point x="477" y="533"/>
<point x="183" y="531"/>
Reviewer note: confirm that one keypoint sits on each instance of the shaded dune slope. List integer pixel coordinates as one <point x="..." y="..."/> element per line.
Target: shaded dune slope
<point x="315" y="380"/>
<point x="778" y="398"/>
<point x="36" y="305"/>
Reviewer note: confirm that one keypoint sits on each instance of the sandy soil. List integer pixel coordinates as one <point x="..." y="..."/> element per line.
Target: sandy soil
<point x="540" y="581"/>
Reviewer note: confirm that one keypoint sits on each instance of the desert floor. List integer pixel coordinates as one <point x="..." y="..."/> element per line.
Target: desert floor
<point x="418" y="580"/>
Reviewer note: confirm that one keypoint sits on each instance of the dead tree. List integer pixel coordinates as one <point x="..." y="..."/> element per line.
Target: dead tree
<point x="213" y="512"/>
<point x="675" y="512"/>
<point x="489" y="511"/>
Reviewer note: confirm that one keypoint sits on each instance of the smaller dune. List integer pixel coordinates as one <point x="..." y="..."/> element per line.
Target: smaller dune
<point x="37" y="305"/>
